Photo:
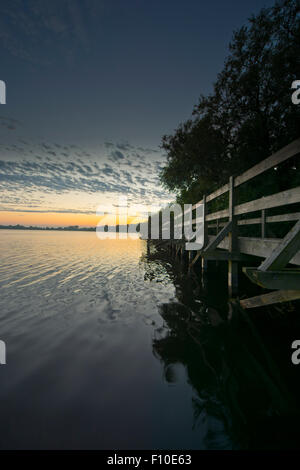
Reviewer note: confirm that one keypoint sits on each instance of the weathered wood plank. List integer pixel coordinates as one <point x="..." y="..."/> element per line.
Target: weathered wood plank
<point x="261" y="247"/>
<point x="217" y="215"/>
<point x="290" y="196"/>
<point x="250" y="221"/>
<point x="284" y="217"/>
<point x="270" y="298"/>
<point x="224" y="255"/>
<point x="195" y="259"/>
<point x="197" y="204"/>
<point x="287" y="248"/>
<point x="278" y="157"/>
<point x="223" y="233"/>
<point x="284" y="279"/>
<point x="218" y="192"/>
<point x="269" y="219"/>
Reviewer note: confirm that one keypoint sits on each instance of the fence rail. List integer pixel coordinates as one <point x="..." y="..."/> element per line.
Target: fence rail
<point x="227" y="244"/>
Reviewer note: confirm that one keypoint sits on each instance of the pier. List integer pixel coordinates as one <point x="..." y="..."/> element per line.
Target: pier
<point x="276" y="260"/>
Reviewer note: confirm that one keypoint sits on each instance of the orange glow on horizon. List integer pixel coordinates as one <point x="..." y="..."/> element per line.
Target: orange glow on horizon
<point x="54" y="219"/>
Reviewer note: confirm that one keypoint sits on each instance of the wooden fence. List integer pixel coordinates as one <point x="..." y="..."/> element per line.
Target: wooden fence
<point x="226" y="244"/>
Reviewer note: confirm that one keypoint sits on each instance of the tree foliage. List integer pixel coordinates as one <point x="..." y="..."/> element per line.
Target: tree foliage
<point x="249" y="114"/>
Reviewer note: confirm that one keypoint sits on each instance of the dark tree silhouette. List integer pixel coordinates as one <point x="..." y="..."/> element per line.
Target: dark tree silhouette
<point x="250" y="113"/>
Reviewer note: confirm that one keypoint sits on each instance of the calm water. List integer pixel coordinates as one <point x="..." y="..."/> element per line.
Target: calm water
<point x="102" y="352"/>
<point x="79" y="316"/>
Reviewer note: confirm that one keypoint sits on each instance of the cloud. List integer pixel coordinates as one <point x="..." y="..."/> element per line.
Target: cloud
<point x="116" y="155"/>
<point x="63" y="170"/>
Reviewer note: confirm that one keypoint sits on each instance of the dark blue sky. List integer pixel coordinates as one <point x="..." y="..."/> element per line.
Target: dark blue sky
<point x="92" y="86"/>
<point x="86" y="71"/>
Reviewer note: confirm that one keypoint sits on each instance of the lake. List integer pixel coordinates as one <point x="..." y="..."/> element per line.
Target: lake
<point x="101" y="349"/>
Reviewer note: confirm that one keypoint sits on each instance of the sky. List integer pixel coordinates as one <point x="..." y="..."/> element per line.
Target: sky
<point x="91" y="88"/>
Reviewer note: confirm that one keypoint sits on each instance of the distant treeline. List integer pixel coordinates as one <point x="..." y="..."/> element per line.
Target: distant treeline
<point x="73" y="228"/>
<point x="32" y="227"/>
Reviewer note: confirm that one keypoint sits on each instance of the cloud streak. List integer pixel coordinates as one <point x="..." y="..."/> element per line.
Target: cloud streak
<point x="48" y="171"/>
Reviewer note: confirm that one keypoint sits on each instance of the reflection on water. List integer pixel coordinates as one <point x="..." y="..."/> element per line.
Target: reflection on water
<point x="241" y="398"/>
<point x="109" y="346"/>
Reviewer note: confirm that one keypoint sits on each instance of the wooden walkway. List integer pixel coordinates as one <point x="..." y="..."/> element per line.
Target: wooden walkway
<point x="279" y="268"/>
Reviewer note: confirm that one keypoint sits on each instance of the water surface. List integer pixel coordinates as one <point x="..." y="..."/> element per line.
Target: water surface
<point x="111" y="345"/>
<point x="79" y="317"/>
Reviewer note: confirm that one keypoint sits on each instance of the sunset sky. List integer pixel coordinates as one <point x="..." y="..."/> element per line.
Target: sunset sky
<point x="92" y="85"/>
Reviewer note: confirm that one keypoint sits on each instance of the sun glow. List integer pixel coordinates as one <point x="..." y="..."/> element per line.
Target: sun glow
<point x="52" y="219"/>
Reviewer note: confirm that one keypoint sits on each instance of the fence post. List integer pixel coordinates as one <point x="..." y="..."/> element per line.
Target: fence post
<point x="172" y="223"/>
<point x="233" y="243"/>
<point x="149" y="235"/>
<point x="190" y="256"/>
<point x="263" y="224"/>
<point x="149" y="227"/>
<point x="160" y="225"/>
<point x="204" y="262"/>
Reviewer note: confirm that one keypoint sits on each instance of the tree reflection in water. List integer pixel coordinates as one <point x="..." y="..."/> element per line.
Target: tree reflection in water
<point x="240" y="399"/>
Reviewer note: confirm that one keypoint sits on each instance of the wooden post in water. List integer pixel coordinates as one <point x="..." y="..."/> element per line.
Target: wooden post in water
<point x="182" y="253"/>
<point x="149" y="235"/>
<point x="233" y="243"/>
<point x="190" y="256"/>
<point x="149" y="227"/>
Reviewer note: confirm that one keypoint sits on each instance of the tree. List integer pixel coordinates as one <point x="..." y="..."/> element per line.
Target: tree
<point x="249" y="115"/>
